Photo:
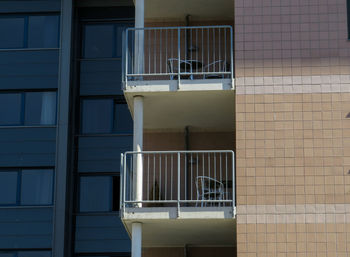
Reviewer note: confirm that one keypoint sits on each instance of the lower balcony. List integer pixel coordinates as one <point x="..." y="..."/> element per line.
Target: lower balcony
<point x="180" y="197"/>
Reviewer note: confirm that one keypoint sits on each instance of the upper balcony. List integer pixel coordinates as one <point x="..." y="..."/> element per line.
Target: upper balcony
<point x="158" y="59"/>
<point x="182" y="197"/>
<point x="182" y="72"/>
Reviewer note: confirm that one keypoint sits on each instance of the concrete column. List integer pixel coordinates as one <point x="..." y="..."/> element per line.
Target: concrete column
<point x="139" y="36"/>
<point x="138" y="145"/>
<point x="136" y="242"/>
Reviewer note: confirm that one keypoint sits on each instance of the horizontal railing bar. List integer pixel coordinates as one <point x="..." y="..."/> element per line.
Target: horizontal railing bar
<point x="181" y="201"/>
<point x="199" y="151"/>
<point x="181" y="73"/>
<point x="181" y="27"/>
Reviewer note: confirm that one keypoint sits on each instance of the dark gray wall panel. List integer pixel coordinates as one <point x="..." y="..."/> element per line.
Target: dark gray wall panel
<point x="101" y="234"/>
<point x="102" y="153"/>
<point x="100" y="77"/>
<point x="25" y="227"/>
<point x="8" y="6"/>
<point x="21" y="147"/>
<point x="28" y="69"/>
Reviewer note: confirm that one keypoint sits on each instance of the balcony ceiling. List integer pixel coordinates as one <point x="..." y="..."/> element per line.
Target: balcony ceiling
<point x="198" y="9"/>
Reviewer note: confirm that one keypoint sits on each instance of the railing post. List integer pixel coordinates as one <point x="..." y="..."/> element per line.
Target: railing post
<point x="232" y="61"/>
<point x="178" y="57"/>
<point x="126" y="56"/>
<point x="121" y="176"/>
<point x="124" y="59"/>
<point x="124" y="182"/>
<point x="178" y="183"/>
<point x="233" y="186"/>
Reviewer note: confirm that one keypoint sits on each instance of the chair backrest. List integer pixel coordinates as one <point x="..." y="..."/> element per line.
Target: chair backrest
<point x="206" y="184"/>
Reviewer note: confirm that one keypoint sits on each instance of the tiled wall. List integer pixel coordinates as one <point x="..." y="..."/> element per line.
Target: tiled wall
<point x="293" y="128"/>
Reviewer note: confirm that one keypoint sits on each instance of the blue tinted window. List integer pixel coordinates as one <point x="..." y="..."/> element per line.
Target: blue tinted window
<point x="30" y="108"/>
<point x="96" y="193"/>
<point x="36" y="187"/>
<point x="97" y="116"/>
<point x="123" y="122"/>
<point x="99" y="41"/>
<point x="12" y="32"/>
<point x="43" y="31"/>
<point x="40" y="108"/>
<point x="10" y="109"/>
<point x="34" y="254"/>
<point x="8" y="187"/>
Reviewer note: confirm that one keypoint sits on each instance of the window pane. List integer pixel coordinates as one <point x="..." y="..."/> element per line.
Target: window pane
<point x="10" y="109"/>
<point x="99" y="41"/>
<point x="36" y="187"/>
<point x="95" y="193"/>
<point x="43" y="31"/>
<point x="97" y="116"/>
<point x="8" y="187"/>
<point x="40" y="108"/>
<point x="12" y="32"/>
<point x="34" y="254"/>
<point x="123" y="122"/>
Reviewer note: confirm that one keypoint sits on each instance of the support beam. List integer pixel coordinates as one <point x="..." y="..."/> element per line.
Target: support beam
<point x="136" y="243"/>
<point x="60" y="239"/>
<point x="138" y="145"/>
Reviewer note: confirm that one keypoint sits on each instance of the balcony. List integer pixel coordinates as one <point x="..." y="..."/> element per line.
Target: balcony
<point x="187" y="72"/>
<point x="179" y="58"/>
<point x="181" y="198"/>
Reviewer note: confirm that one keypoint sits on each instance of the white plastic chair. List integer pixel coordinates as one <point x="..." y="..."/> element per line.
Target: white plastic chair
<point x="215" y="67"/>
<point x="209" y="189"/>
<point x="174" y="69"/>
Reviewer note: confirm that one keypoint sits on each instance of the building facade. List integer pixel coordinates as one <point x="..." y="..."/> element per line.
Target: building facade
<point x="177" y="128"/>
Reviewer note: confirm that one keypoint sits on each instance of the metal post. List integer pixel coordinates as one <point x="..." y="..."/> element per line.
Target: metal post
<point x="232" y="62"/>
<point x="233" y="185"/>
<point x="121" y="175"/>
<point x="178" y="184"/>
<point x="138" y="144"/>
<point x="178" y="57"/>
<point x="136" y="243"/>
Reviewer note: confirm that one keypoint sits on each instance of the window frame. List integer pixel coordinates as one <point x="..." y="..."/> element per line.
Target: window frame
<point x="26" y="29"/>
<point x="19" y="184"/>
<point x="22" y="115"/>
<point x="112" y="131"/>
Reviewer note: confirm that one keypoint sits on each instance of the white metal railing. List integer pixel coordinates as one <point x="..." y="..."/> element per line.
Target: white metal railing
<point x="175" y="53"/>
<point x="179" y="178"/>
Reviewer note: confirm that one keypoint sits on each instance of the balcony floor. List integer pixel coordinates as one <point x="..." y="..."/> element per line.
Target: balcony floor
<point x="163" y="227"/>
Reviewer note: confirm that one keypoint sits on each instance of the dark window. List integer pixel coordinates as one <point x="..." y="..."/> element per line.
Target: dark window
<point x="28" y="108"/>
<point x="105" y="116"/>
<point x="99" y="41"/>
<point x="40" y="108"/>
<point x="43" y="31"/>
<point x="41" y="193"/>
<point x="12" y="32"/>
<point x="103" y="40"/>
<point x="26" y="187"/>
<point x="11" y="109"/>
<point x="97" y="116"/>
<point x="29" y="31"/>
<point x="99" y="193"/>
<point x="7" y="254"/>
<point x="95" y="193"/>
<point x="8" y="187"/>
